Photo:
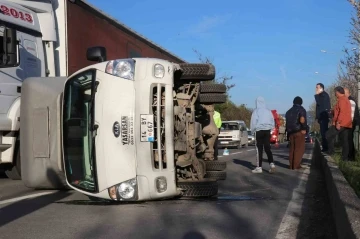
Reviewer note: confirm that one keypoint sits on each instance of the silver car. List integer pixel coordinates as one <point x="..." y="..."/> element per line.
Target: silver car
<point x="251" y="138"/>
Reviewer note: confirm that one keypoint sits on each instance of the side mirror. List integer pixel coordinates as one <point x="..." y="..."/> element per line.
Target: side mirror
<point x="97" y="53"/>
<point x="9" y="48"/>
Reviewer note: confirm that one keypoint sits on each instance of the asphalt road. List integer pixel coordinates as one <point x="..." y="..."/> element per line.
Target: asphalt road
<point x="287" y="204"/>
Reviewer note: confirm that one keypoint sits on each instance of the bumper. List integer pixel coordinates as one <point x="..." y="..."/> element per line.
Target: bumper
<point x="251" y="141"/>
<point x="228" y="143"/>
<point x="146" y="190"/>
<point x="273" y="139"/>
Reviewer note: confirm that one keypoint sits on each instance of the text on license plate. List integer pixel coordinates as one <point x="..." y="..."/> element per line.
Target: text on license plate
<point x="147" y="128"/>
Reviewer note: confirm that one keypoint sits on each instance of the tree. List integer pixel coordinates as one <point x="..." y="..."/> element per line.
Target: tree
<point x="228" y="110"/>
<point x="349" y="71"/>
<point x="224" y="79"/>
<point x="314" y="126"/>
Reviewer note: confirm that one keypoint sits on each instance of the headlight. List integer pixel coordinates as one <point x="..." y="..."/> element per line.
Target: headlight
<point x="161" y="184"/>
<point x="121" y="68"/>
<point x="159" y="71"/>
<point x="126" y="191"/>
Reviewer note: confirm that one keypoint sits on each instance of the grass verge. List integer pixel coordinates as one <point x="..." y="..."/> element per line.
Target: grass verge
<point x="351" y="170"/>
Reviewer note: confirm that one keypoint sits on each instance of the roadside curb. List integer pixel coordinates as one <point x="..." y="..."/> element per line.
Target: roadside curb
<point x="345" y="204"/>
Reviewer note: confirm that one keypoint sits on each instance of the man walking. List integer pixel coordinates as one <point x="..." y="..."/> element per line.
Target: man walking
<point x="323" y="105"/>
<point x="355" y="116"/>
<point x="296" y="126"/>
<point x="262" y="121"/>
<point x="341" y="124"/>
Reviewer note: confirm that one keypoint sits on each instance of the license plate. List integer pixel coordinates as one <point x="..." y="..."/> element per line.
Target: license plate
<point x="224" y="142"/>
<point x="147" y="128"/>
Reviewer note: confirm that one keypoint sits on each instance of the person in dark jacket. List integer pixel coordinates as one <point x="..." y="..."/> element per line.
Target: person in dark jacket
<point x="296" y="127"/>
<point x="323" y="107"/>
<point x="355" y="115"/>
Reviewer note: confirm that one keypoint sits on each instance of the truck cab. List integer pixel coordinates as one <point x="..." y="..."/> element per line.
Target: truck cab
<point x="233" y="134"/>
<point x="22" y="52"/>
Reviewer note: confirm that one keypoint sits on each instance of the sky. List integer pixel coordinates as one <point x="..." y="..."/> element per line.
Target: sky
<point x="271" y="48"/>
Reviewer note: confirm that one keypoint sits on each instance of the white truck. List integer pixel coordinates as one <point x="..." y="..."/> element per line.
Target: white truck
<point x="124" y="129"/>
<point x="48" y="38"/>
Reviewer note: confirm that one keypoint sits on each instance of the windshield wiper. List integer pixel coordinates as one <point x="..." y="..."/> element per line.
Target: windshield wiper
<point x="93" y="126"/>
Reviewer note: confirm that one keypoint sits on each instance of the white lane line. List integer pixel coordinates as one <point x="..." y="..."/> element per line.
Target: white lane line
<point x="237" y="153"/>
<point x="250" y="150"/>
<point x="26" y="197"/>
<point x="290" y="222"/>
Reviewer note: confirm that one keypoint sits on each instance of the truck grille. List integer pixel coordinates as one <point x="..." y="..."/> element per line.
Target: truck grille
<point x="158" y="110"/>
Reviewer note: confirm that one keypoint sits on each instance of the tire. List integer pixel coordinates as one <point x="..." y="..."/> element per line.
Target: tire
<point x="213" y="88"/>
<point x="206" y="188"/>
<point x="212" y="98"/>
<point x="217" y="175"/>
<point x="15" y="172"/>
<point x="215" y="165"/>
<point x="202" y="72"/>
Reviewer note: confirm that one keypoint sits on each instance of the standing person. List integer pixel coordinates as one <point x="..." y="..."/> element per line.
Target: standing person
<point x="323" y="105"/>
<point x="262" y="121"/>
<point x="218" y="123"/>
<point x="296" y="127"/>
<point x="341" y="124"/>
<point x="355" y="116"/>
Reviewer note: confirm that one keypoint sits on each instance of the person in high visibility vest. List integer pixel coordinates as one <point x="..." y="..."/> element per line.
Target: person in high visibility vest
<point x="218" y="123"/>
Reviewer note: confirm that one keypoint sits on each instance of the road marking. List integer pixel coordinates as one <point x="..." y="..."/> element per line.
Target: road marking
<point x="290" y="222"/>
<point x="250" y="150"/>
<point x="237" y="153"/>
<point x="26" y="197"/>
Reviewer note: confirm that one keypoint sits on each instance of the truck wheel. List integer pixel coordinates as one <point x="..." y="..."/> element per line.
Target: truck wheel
<point x="201" y="72"/>
<point x="212" y="98"/>
<point x="15" y="172"/>
<point x="206" y="188"/>
<point x="215" y="165"/>
<point x="217" y="175"/>
<point x="212" y="88"/>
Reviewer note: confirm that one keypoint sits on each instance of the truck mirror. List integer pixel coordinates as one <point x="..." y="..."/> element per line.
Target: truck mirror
<point x="97" y="53"/>
<point x="10" y="47"/>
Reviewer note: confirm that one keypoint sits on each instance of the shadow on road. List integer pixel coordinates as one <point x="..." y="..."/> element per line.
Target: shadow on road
<point x="194" y="235"/>
<point x="97" y="203"/>
<point x="316" y="218"/>
<point x="22" y="208"/>
<point x="244" y="163"/>
<point x="25" y="207"/>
